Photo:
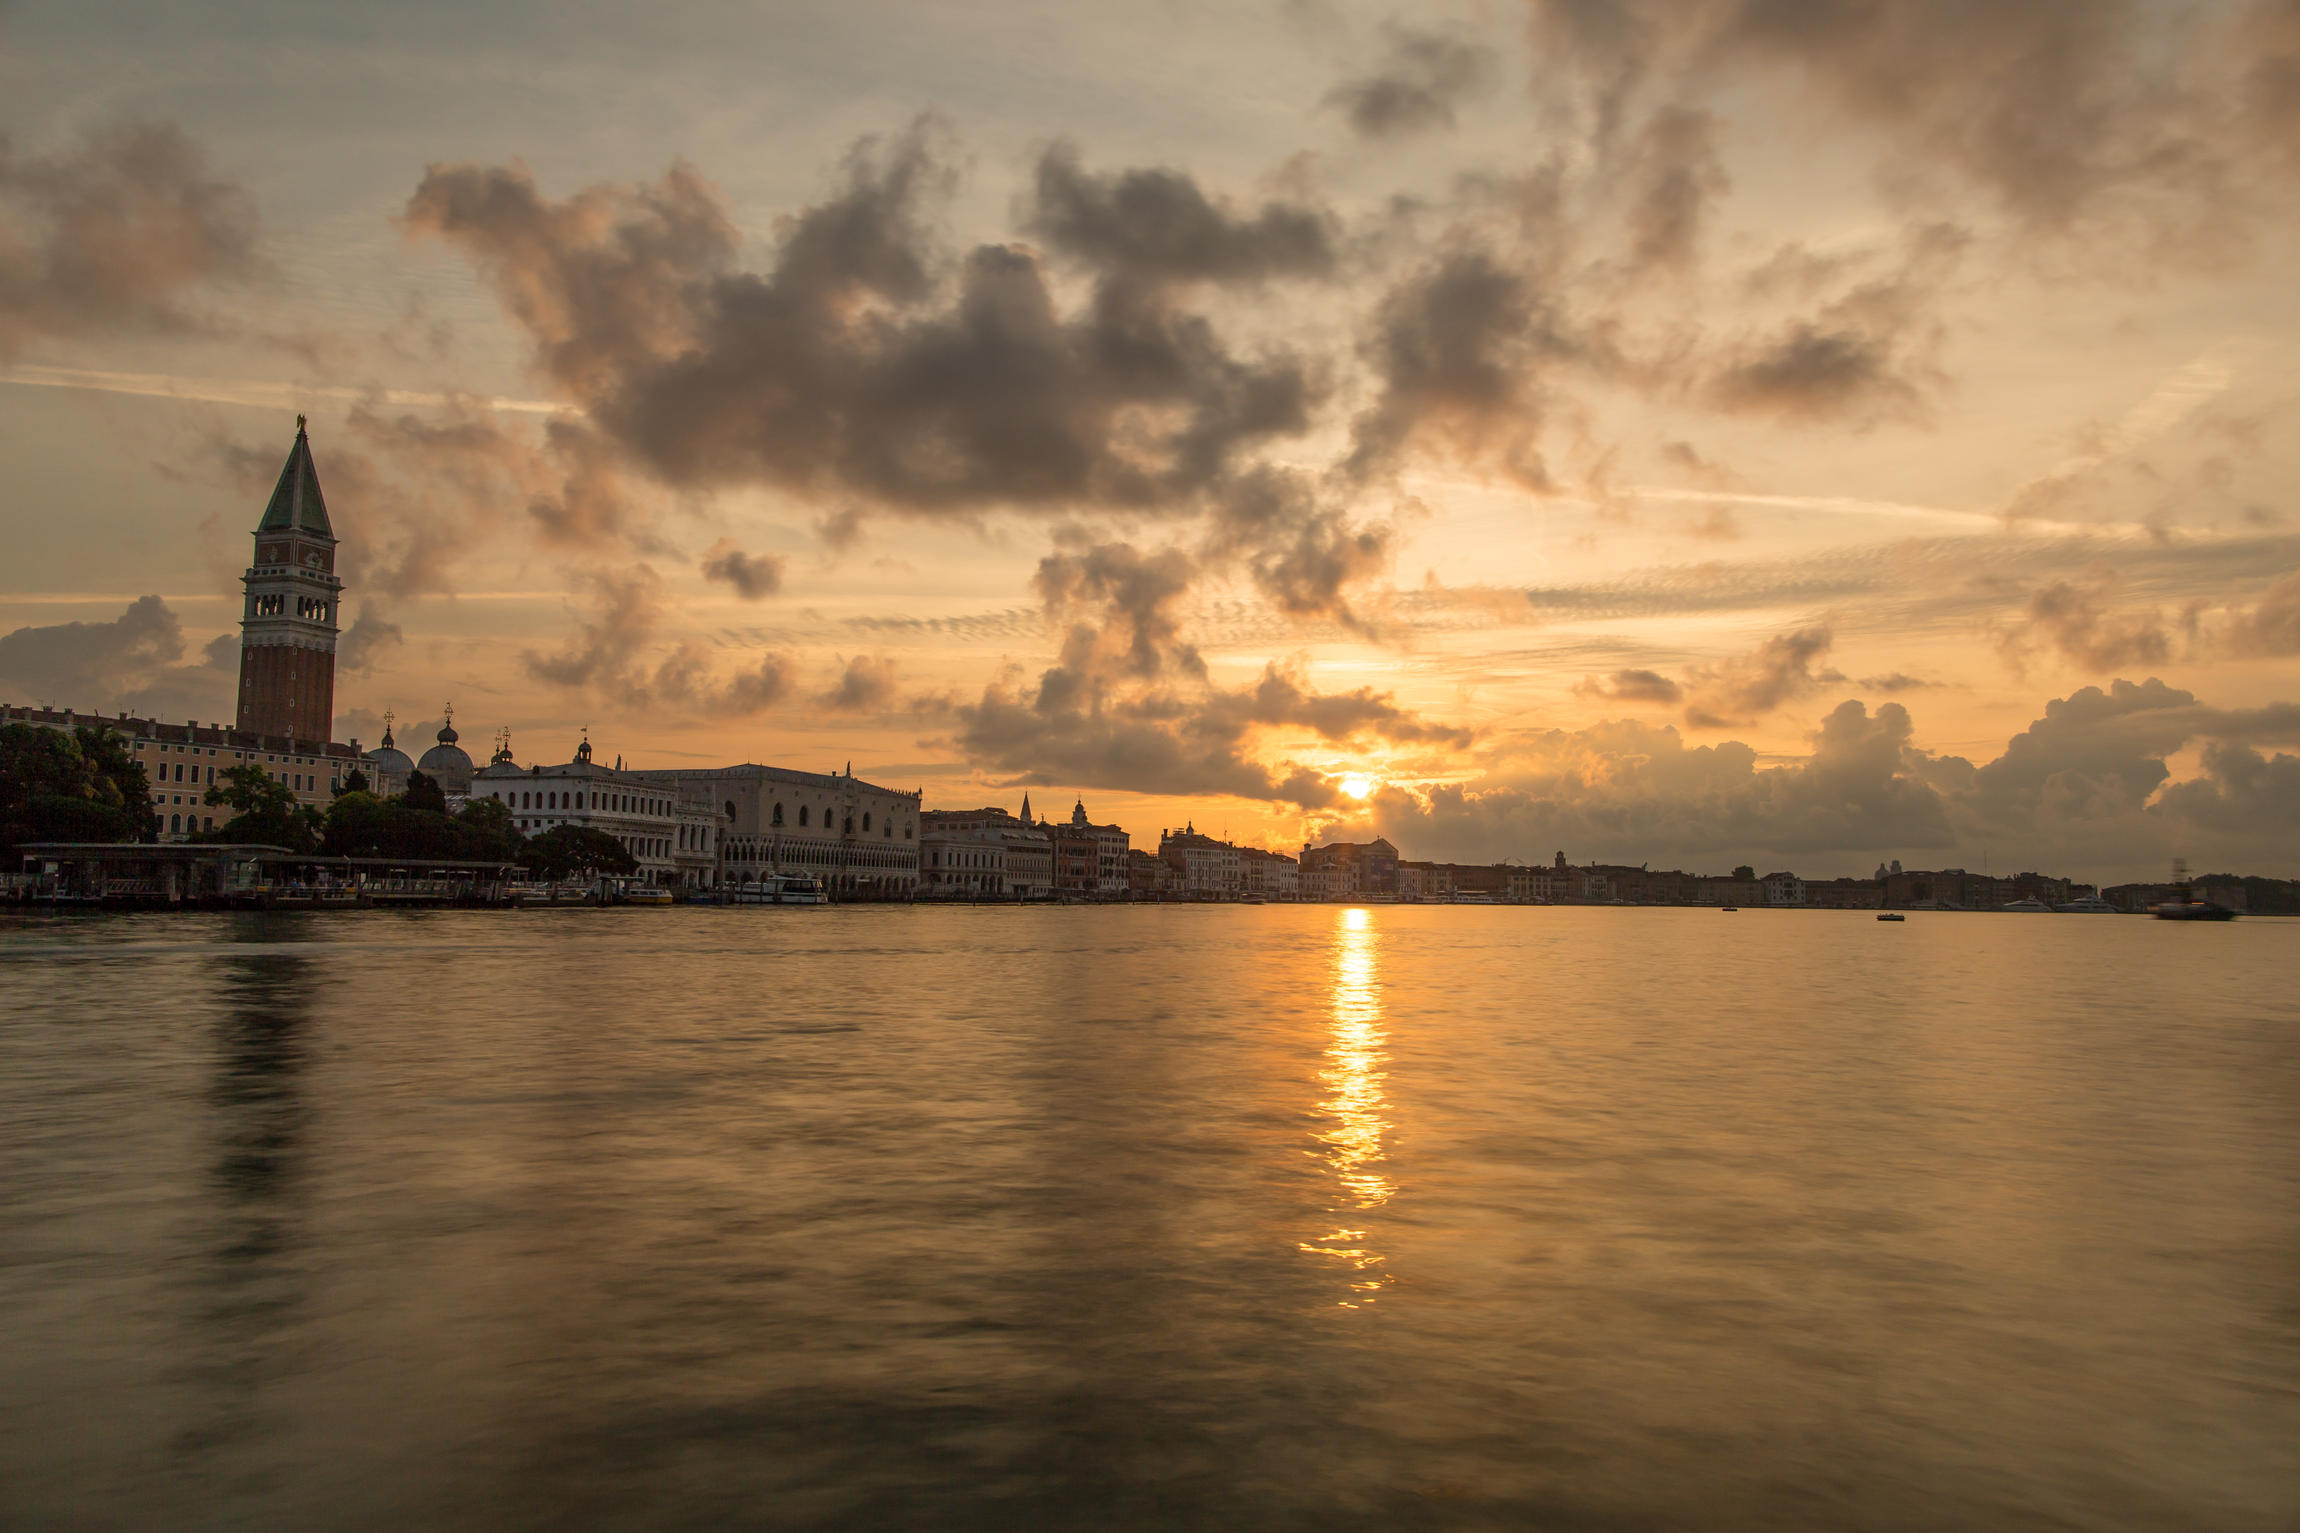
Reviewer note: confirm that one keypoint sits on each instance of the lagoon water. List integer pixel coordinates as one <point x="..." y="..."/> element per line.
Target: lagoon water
<point x="1276" y="1217"/>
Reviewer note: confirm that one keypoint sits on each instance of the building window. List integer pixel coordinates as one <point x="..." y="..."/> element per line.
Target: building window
<point x="778" y="811"/>
<point x="175" y="822"/>
<point x="866" y="823"/>
<point x="802" y="816"/>
<point x="849" y="826"/>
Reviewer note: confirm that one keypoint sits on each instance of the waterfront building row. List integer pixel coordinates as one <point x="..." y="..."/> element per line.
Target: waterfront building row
<point x="182" y="761"/>
<point x="990" y="854"/>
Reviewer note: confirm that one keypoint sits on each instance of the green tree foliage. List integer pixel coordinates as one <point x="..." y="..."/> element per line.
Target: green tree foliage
<point x="268" y="814"/>
<point x="359" y="824"/>
<point x="423" y="793"/>
<point x="354" y="781"/>
<point x="566" y="850"/>
<point x="82" y="786"/>
<point x="1745" y="873"/>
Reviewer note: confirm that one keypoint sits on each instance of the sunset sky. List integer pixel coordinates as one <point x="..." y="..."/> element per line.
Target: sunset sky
<point x="1801" y="432"/>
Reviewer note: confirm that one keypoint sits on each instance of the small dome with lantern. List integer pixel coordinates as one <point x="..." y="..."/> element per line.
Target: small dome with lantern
<point x="445" y="763"/>
<point x="387" y="764"/>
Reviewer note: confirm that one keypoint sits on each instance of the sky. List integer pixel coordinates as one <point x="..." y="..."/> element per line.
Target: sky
<point x="1808" y="433"/>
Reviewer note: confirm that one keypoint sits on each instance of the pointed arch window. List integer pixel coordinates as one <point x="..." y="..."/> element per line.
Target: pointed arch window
<point x="778" y="811"/>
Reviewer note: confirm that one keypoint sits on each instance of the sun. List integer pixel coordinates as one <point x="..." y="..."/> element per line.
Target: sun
<point x="1357" y="785"/>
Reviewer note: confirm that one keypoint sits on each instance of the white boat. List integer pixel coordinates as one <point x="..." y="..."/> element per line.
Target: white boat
<point x="774" y="890"/>
<point x="2091" y="905"/>
<point x="2029" y="907"/>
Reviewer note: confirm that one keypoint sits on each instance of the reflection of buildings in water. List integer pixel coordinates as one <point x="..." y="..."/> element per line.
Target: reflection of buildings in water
<point x="1352" y="1079"/>
<point x="252" y="1284"/>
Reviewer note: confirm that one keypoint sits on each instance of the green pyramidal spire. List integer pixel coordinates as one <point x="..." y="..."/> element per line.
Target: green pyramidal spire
<point x="296" y="502"/>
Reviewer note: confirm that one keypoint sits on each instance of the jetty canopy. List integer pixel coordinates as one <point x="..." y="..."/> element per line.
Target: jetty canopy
<point x="191" y="870"/>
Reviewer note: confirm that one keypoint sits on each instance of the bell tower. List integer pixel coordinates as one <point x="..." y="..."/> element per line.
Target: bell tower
<point x="288" y="629"/>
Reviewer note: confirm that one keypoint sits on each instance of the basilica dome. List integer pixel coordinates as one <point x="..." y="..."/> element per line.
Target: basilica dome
<point x="446" y="764"/>
<point x="388" y="760"/>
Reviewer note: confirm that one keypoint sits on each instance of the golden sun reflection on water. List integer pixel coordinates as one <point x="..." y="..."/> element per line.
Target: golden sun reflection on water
<point x="1354" y="1104"/>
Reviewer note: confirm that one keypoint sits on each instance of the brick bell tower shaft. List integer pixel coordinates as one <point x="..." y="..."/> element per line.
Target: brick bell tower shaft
<point x="288" y="628"/>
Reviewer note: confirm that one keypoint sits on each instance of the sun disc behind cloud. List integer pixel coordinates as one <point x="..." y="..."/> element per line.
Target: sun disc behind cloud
<point x="1357" y="785"/>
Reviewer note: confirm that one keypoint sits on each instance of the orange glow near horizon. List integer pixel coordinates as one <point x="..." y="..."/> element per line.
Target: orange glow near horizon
<point x="1357" y="785"/>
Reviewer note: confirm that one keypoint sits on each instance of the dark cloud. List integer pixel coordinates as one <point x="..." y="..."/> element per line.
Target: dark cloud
<point x="2087" y="783"/>
<point x="754" y="576"/>
<point x="1128" y="705"/>
<point x="2243" y="795"/>
<point x="134" y="662"/>
<point x="2072" y="620"/>
<point x="1632" y="686"/>
<point x="1280" y="698"/>
<point x="1673" y="176"/>
<point x="852" y="367"/>
<point x="117" y="234"/>
<point x="419" y="498"/>
<point x="580" y="500"/>
<point x="1632" y="792"/>
<point x="2272" y="625"/>
<point x="1137" y="597"/>
<point x="369" y="635"/>
<point x="1868" y="355"/>
<point x="1159" y="226"/>
<point x="2064" y="110"/>
<point x="866" y="685"/>
<point x="1747" y="687"/>
<point x="1457" y="352"/>
<point x="1895" y="681"/>
<point x="1416" y="87"/>
<point x="2084" y="790"/>
<point x="618" y="654"/>
<point x="1303" y="551"/>
<point x="2268" y="44"/>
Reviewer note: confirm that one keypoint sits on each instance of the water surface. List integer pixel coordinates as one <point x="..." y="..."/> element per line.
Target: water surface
<point x="1262" y="1217"/>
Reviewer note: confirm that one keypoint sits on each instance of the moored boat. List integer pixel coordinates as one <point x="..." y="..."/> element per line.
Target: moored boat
<point x="1890" y="915"/>
<point x="2186" y="904"/>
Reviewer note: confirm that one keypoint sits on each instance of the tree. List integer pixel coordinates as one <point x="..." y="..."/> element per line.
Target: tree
<point x="362" y="825"/>
<point x="568" y="849"/>
<point x="354" y="781"/>
<point x="423" y="793"/>
<point x="81" y="786"/>
<point x="120" y="778"/>
<point x="487" y="829"/>
<point x="268" y="813"/>
<point x="1744" y="872"/>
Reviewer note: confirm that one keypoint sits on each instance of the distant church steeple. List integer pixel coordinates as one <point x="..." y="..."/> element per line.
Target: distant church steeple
<point x="288" y="626"/>
<point x="1026" y="809"/>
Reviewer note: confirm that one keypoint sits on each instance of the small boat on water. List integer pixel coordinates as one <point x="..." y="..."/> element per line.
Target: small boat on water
<point x="2090" y="905"/>
<point x="2186" y="904"/>
<point x="1729" y="909"/>
<point x="774" y="889"/>
<point x="644" y="894"/>
<point x="2029" y="907"/>
<point x="1890" y="915"/>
